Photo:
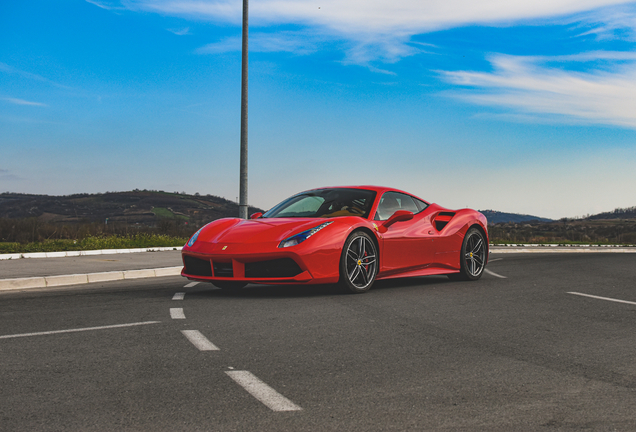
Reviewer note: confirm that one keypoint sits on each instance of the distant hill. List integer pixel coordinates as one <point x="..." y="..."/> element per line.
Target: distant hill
<point x="619" y="213"/>
<point x="495" y="217"/>
<point x="140" y="207"/>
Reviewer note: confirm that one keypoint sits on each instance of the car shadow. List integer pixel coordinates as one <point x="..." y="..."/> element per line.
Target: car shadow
<point x="295" y="291"/>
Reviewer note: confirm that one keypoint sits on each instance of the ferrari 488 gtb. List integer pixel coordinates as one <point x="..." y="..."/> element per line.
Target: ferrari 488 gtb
<point x="348" y="235"/>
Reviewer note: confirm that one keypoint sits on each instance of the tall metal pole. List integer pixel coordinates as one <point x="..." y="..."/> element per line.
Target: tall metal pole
<point x="243" y="175"/>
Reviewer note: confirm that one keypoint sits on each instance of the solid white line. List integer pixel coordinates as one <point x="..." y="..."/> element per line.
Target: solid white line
<point x="492" y="273"/>
<point x="177" y="313"/>
<point x="603" y="298"/>
<point x="178" y="296"/>
<point x="199" y="341"/>
<point x="191" y="284"/>
<point x="79" y="330"/>
<point x="496" y="259"/>
<point x="261" y="391"/>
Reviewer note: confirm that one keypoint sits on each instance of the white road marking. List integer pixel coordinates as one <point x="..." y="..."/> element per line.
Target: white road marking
<point x="191" y="284"/>
<point x="496" y="259"/>
<point x="178" y="296"/>
<point x="492" y="273"/>
<point x="602" y="298"/>
<point x="261" y="391"/>
<point x="199" y="341"/>
<point x="177" y="313"/>
<point x="79" y="329"/>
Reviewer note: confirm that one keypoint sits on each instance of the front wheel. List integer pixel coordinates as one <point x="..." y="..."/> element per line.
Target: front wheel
<point x="358" y="263"/>
<point x="472" y="260"/>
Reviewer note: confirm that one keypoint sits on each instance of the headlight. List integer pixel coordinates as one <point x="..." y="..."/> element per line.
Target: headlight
<point x="301" y="237"/>
<point x="194" y="238"/>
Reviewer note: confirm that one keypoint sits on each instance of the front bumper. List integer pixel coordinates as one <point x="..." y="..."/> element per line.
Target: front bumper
<point x="248" y="265"/>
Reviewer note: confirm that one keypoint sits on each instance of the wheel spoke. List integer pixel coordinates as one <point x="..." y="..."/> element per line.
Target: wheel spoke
<point x="351" y="254"/>
<point x="477" y="247"/>
<point x="365" y="276"/>
<point x="361" y="247"/>
<point x="354" y="274"/>
<point x="368" y="259"/>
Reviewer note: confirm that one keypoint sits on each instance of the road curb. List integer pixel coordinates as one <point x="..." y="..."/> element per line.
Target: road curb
<point x="31" y="255"/>
<point x="87" y="278"/>
<point x="511" y="250"/>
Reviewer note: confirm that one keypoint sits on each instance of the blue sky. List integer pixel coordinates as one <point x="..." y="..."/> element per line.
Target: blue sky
<point x="526" y="107"/>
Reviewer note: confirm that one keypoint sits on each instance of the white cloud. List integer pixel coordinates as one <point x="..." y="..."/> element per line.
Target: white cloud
<point x="98" y="4"/>
<point x="608" y="23"/>
<point x="180" y="31"/>
<point x="105" y="4"/>
<point x="22" y="102"/>
<point x="528" y="85"/>
<point x="225" y="45"/>
<point x="382" y="29"/>
<point x="286" y="41"/>
<point x="375" y="16"/>
<point x="11" y="70"/>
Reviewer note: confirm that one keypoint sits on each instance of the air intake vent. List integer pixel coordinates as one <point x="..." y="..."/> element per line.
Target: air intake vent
<point x="442" y="219"/>
<point x="197" y="267"/>
<point x="223" y="269"/>
<point x="278" y="268"/>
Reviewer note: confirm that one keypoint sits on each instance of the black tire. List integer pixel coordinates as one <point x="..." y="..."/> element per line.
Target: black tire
<point x="229" y="285"/>
<point x="472" y="258"/>
<point x="358" y="263"/>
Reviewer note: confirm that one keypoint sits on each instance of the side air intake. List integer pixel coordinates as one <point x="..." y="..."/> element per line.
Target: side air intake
<point x="442" y="219"/>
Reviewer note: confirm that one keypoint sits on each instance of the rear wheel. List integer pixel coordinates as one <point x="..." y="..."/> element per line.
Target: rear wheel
<point x="358" y="263"/>
<point x="473" y="256"/>
<point x="229" y="285"/>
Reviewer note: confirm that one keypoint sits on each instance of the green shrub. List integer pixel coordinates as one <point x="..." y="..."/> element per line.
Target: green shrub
<point x="96" y="242"/>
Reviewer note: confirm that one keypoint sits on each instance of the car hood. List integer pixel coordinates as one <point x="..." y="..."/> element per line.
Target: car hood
<point x="259" y="230"/>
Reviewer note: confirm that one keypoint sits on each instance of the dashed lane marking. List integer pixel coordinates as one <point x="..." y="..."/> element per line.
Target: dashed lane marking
<point x="602" y="298"/>
<point x="199" y="341"/>
<point x="178" y="296"/>
<point x="79" y="329"/>
<point x="177" y="313"/>
<point x="492" y="273"/>
<point x="191" y="284"/>
<point x="261" y="391"/>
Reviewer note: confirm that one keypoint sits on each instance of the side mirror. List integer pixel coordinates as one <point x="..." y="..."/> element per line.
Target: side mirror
<point x="256" y="215"/>
<point x="398" y="216"/>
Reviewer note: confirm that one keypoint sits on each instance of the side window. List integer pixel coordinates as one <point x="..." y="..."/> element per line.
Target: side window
<point x="420" y="204"/>
<point x="392" y="202"/>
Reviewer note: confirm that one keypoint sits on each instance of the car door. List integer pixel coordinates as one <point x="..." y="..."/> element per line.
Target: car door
<point x="406" y="244"/>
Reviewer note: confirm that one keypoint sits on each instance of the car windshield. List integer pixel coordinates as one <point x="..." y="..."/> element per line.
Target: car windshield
<point x="325" y="203"/>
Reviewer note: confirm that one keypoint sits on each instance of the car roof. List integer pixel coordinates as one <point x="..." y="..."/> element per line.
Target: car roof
<point x="379" y="189"/>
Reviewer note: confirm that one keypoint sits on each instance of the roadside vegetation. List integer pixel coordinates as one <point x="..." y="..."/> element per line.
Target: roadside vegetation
<point x="33" y="235"/>
<point x="567" y="232"/>
<point x="112" y="220"/>
<point x="95" y="243"/>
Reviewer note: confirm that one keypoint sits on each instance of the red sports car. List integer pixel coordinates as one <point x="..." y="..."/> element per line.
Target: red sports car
<point x="350" y="235"/>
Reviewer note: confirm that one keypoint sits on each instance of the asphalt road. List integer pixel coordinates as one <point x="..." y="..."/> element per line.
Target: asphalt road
<point x="31" y="267"/>
<point x="501" y="354"/>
